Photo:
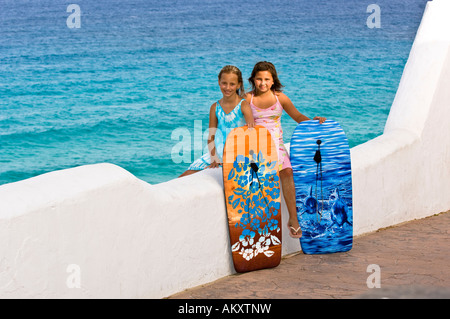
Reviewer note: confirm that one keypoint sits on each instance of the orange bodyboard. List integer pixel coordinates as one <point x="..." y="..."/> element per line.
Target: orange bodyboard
<point x="253" y="198"/>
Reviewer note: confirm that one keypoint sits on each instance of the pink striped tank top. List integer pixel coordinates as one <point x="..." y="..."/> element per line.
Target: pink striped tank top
<point x="271" y="119"/>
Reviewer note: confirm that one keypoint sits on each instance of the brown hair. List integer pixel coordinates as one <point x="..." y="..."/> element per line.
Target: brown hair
<point x="266" y="66"/>
<point x="234" y="70"/>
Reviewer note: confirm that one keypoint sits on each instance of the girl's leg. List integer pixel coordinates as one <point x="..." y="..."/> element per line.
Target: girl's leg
<point x="188" y="172"/>
<point x="287" y="183"/>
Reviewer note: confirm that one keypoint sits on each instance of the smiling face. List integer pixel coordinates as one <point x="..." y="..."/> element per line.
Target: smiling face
<point x="266" y="75"/>
<point x="229" y="84"/>
<point x="263" y="81"/>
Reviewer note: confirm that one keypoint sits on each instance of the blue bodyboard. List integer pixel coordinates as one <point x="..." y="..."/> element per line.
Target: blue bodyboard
<point x="321" y="164"/>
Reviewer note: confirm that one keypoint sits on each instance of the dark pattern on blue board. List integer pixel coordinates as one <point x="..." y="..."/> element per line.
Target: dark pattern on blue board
<point x="324" y="197"/>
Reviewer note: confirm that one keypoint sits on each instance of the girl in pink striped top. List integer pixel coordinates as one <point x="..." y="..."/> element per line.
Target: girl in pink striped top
<point x="267" y="103"/>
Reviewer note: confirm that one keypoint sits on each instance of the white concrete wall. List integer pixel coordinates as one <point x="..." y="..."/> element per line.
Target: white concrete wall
<point x="131" y="239"/>
<point x="405" y="173"/>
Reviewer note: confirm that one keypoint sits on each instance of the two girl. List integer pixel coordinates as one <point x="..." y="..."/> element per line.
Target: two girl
<point x="264" y="106"/>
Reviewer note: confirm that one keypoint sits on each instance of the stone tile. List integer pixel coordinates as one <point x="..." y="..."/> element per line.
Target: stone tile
<point x="414" y="260"/>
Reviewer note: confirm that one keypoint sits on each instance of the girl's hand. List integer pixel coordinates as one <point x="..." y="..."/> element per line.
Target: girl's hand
<point x="320" y="118"/>
<point x="214" y="164"/>
<point x="251" y="124"/>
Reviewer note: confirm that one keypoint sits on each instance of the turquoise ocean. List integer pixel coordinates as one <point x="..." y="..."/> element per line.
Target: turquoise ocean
<point x="121" y="87"/>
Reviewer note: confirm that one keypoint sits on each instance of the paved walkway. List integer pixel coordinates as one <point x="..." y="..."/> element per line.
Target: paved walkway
<point x="413" y="260"/>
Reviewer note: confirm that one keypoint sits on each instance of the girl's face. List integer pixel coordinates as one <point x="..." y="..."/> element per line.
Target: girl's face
<point x="263" y="81"/>
<point x="229" y="84"/>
